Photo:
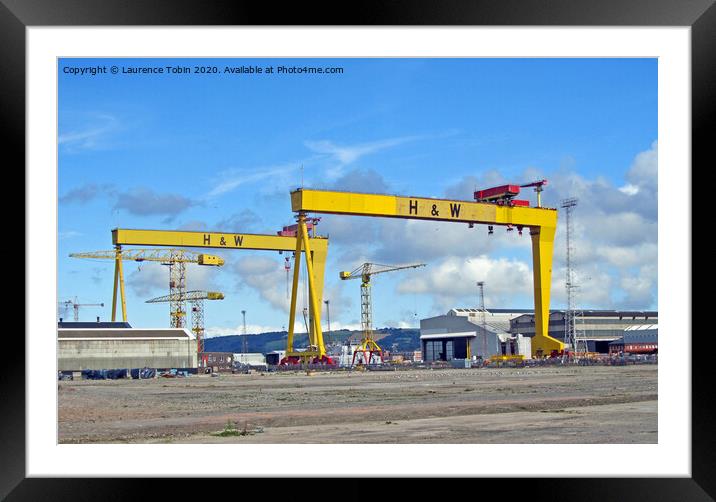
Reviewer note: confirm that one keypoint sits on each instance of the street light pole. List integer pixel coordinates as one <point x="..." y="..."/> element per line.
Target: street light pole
<point x="245" y="345"/>
<point x="328" y="315"/>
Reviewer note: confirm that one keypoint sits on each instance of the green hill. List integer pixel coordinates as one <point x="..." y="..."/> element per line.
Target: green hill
<point x="388" y="338"/>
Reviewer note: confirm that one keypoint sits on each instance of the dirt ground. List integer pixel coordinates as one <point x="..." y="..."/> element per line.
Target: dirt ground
<point x="581" y="404"/>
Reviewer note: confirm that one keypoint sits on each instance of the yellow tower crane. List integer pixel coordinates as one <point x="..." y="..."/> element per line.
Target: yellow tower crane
<point x="196" y="300"/>
<point x="176" y="259"/>
<point x="541" y="222"/>
<point x="368" y="347"/>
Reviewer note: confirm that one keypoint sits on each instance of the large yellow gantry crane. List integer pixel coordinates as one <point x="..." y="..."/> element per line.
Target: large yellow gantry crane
<point x="368" y="347"/>
<point x="289" y="239"/>
<point x="196" y="300"/>
<point x="490" y="210"/>
<point x="175" y="258"/>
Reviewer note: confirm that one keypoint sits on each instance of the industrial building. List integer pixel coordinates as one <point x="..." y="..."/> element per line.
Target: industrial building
<point x="216" y="361"/>
<point x="253" y="359"/>
<point x="119" y="348"/>
<point x="597" y="327"/>
<point x="637" y="340"/>
<point x="464" y="334"/>
<point x="93" y="325"/>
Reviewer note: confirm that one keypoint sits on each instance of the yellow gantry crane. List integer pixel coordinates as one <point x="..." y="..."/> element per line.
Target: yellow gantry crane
<point x="196" y="300"/>
<point x="541" y="222"/>
<point x="294" y="238"/>
<point x="368" y="347"/>
<point x="176" y="259"/>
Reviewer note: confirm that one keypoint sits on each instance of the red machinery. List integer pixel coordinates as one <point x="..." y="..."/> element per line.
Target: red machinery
<point x="326" y="360"/>
<point x="501" y="195"/>
<point x="505" y="194"/>
<point x="290" y="230"/>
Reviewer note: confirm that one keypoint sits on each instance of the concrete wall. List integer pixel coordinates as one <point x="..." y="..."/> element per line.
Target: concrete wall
<point x="115" y="352"/>
<point x="485" y="344"/>
<point x="250" y="358"/>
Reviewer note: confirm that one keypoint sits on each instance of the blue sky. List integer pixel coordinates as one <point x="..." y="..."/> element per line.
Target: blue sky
<point x="222" y="151"/>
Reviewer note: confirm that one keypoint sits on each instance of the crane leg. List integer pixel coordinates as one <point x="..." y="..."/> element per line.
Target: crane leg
<point x="117" y="261"/>
<point x="121" y="290"/>
<point x="542" y="247"/>
<point x="294" y="294"/>
<point x="317" y="334"/>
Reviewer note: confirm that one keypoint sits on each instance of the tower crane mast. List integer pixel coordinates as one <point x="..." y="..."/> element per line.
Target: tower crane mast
<point x="368" y="347"/>
<point x="196" y="300"/>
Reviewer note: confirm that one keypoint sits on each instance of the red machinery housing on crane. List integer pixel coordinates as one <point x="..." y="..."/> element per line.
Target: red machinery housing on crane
<point x="291" y="230"/>
<point x="505" y="194"/>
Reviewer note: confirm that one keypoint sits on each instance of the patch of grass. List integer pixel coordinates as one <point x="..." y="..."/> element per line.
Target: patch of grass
<point x="231" y="430"/>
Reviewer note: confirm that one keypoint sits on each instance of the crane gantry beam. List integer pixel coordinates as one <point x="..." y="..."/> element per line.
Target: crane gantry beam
<point x="541" y="221"/>
<point x="316" y="247"/>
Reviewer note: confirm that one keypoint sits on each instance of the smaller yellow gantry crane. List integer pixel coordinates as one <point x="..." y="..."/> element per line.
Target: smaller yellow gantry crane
<point x="369" y="351"/>
<point x="196" y="300"/>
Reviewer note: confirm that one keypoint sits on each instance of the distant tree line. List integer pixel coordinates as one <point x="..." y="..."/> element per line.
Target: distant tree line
<point x="392" y="339"/>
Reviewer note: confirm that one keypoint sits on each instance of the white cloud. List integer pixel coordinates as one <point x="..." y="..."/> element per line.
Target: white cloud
<point x="89" y="137"/>
<point x="143" y="201"/>
<point x="68" y="234"/>
<point x="453" y="279"/>
<point x="251" y="329"/>
<point x="231" y="179"/>
<point x="347" y="154"/>
<point x="629" y="256"/>
<point x="629" y="189"/>
<point x="639" y="288"/>
<point x="147" y="280"/>
<point x="150" y="279"/>
<point x="643" y="171"/>
<point x="267" y="277"/>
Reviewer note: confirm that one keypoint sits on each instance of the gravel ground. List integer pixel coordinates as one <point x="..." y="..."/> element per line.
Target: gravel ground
<point x="593" y="404"/>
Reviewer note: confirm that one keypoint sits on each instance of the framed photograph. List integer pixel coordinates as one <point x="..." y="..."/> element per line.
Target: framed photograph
<point x="503" y="159"/>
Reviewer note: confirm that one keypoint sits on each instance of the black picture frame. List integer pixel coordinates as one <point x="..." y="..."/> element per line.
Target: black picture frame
<point x="700" y="15"/>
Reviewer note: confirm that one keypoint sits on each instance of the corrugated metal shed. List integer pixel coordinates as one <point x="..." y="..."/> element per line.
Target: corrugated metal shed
<point x="93" y="325"/>
<point x="634" y="337"/>
<point x="642" y="327"/>
<point x="437" y="336"/>
<point x="117" y="348"/>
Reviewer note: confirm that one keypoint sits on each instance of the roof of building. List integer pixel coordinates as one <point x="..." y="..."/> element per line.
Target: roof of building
<point x="646" y="336"/>
<point x="465" y="334"/>
<point x="122" y="333"/>
<point x="642" y="327"/>
<point x="592" y="313"/>
<point x="102" y="324"/>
